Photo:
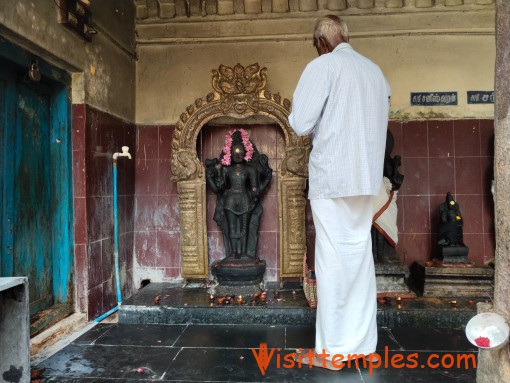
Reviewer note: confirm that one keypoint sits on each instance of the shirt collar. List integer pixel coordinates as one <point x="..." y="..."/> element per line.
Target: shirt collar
<point x="342" y="46"/>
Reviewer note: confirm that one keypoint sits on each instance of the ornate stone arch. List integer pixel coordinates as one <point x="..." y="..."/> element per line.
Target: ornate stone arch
<point x="239" y="92"/>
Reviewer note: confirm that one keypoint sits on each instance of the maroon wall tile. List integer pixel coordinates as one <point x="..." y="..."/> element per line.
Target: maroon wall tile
<point x="441" y="175"/>
<point x="81" y="276"/>
<point x="264" y="138"/>
<point x="269" y="220"/>
<point x="440" y="136"/>
<point x="272" y="188"/>
<point x="467" y="137"/>
<point x="168" y="248"/>
<point x="416" y="173"/>
<point x="215" y="246"/>
<point x="109" y="295"/>
<point x="107" y="259"/>
<point x="468" y="175"/>
<point x="95" y="263"/>
<point x="414" y="139"/>
<point x="471" y="211"/>
<point x="95" y="302"/>
<point x="165" y="141"/>
<point x="78" y="123"/>
<point x="172" y="272"/>
<point x="476" y="247"/>
<point x="416" y="214"/>
<point x="79" y="173"/>
<point x="435" y="202"/>
<point x="165" y="184"/>
<point x="80" y="220"/>
<point x="146" y="208"/>
<point x="166" y="216"/>
<point x="267" y="248"/>
<point x="146" y="248"/>
<point x="146" y="175"/>
<point x="212" y="226"/>
<point x="417" y="248"/>
<point x="148" y="143"/>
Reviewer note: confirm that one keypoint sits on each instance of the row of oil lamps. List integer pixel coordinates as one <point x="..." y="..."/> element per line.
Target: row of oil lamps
<point x="252" y="299"/>
<point x="398" y="300"/>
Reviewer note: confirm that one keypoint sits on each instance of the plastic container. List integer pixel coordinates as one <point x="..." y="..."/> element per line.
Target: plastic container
<point x="487" y="331"/>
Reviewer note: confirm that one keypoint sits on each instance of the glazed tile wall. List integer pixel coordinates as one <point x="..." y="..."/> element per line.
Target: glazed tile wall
<point x="437" y="157"/>
<point x="156" y="225"/>
<point x="96" y="136"/>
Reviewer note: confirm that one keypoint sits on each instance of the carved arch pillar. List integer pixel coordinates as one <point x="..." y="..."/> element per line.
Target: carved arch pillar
<point x="239" y="92"/>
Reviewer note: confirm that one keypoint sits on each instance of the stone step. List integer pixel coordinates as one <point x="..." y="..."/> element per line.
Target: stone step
<point x="164" y="303"/>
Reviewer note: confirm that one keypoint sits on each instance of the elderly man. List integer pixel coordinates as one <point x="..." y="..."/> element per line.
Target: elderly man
<point x="342" y="101"/>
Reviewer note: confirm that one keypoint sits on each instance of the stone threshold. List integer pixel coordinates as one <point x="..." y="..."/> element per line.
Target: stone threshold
<point x="165" y="303"/>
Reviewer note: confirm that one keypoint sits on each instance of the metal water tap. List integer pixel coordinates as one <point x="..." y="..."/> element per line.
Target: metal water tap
<point x="125" y="153"/>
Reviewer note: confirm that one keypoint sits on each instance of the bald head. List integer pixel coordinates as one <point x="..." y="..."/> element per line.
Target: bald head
<point x="330" y="30"/>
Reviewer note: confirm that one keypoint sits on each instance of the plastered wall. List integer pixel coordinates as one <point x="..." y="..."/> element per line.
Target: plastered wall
<point x="421" y="51"/>
<point x="103" y="70"/>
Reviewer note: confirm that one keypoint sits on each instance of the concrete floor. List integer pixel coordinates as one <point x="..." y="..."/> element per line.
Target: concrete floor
<point x="118" y="352"/>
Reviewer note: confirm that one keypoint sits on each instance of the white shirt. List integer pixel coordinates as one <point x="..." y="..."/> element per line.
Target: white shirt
<point x="342" y="100"/>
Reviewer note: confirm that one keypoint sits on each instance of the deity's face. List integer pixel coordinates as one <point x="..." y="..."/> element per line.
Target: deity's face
<point x="238" y="153"/>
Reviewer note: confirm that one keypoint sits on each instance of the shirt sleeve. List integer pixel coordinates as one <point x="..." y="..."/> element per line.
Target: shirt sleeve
<point x="309" y="98"/>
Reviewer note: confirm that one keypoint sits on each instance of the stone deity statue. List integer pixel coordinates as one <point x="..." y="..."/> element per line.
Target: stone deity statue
<point x="450" y="242"/>
<point x="239" y="178"/>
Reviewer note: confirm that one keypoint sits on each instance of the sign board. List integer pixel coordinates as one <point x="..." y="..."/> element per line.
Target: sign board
<point x="434" y="98"/>
<point x="480" y="97"/>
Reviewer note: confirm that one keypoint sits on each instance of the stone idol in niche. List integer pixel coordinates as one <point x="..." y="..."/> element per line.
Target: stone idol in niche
<point x="384" y="222"/>
<point x="239" y="178"/>
<point x="451" y="247"/>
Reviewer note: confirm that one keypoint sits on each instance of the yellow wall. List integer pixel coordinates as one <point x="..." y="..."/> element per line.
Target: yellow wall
<point x="436" y="49"/>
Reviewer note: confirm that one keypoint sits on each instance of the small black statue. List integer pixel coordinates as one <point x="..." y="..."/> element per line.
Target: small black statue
<point x="239" y="178"/>
<point x="450" y="237"/>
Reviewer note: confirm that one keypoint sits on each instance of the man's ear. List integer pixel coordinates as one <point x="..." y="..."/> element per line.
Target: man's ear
<point x="325" y="43"/>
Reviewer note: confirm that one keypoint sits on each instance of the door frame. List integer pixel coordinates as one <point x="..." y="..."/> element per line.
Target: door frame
<point x="17" y="60"/>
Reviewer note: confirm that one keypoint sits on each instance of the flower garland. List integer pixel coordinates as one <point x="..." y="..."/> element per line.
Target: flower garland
<point x="248" y="146"/>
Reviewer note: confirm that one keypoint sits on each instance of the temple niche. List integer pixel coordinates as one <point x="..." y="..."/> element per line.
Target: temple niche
<point x="239" y="94"/>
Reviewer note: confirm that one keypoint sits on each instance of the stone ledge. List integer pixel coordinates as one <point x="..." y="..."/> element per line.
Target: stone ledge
<point x="178" y="305"/>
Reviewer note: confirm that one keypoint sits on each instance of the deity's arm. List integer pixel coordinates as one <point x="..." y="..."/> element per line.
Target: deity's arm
<point x="265" y="174"/>
<point x="214" y="175"/>
<point x="254" y="181"/>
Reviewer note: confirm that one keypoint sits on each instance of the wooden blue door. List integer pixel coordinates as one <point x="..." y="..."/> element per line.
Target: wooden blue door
<point x="32" y="193"/>
<point x="35" y="198"/>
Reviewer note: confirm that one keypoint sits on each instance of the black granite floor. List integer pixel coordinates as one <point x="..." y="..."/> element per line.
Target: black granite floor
<point x="224" y="353"/>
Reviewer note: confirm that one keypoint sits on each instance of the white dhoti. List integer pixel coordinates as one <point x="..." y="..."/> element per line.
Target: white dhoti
<point x="347" y="294"/>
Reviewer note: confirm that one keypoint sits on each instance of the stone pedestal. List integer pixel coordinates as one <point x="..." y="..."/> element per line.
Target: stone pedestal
<point x="391" y="278"/>
<point x="239" y="272"/>
<point x="437" y="279"/>
<point x="391" y="274"/>
<point x="454" y="254"/>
